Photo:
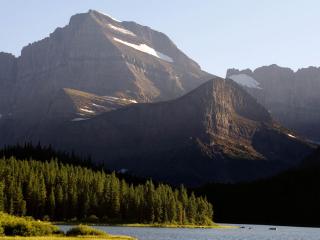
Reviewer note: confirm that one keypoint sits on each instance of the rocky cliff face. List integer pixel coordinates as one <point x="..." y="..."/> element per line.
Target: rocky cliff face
<point x="92" y="65"/>
<point x="97" y="54"/>
<point x="291" y="97"/>
<point x="215" y="133"/>
<point x="7" y="82"/>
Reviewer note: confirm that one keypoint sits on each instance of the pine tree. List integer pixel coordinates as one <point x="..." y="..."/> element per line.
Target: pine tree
<point x="149" y="202"/>
<point x="115" y="197"/>
<point x="1" y="196"/>
<point x="29" y="195"/>
<point x="158" y="207"/>
<point x="19" y="204"/>
<point x="84" y="205"/>
<point x="66" y="191"/>
<point x="41" y="195"/>
<point x="124" y="199"/>
<point x="59" y="201"/>
<point x="172" y="206"/>
<point x="192" y="209"/>
<point x="180" y="213"/>
<point x="52" y="204"/>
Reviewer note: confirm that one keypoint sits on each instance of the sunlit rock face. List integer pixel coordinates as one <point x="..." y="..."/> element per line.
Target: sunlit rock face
<point x="99" y="55"/>
<point x="110" y="63"/>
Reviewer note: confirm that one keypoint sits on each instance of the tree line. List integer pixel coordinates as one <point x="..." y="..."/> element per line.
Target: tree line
<point x="59" y="191"/>
<point x="289" y="198"/>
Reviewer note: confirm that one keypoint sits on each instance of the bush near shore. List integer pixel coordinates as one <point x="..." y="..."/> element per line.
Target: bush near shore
<point x="25" y="226"/>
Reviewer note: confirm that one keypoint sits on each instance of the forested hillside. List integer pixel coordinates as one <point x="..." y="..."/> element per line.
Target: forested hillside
<point x="43" y="153"/>
<point x="64" y="191"/>
<point x="290" y="198"/>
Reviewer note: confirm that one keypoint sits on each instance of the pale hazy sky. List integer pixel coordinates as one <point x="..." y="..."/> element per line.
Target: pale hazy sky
<point x="217" y="34"/>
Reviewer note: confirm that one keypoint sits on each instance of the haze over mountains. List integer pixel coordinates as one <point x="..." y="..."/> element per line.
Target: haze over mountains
<point x="126" y="95"/>
<point x="292" y="97"/>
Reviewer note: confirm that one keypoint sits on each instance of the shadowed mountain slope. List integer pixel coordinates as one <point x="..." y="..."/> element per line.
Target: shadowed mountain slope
<point x="217" y="132"/>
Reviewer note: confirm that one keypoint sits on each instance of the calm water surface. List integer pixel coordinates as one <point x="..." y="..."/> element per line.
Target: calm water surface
<point x="249" y="232"/>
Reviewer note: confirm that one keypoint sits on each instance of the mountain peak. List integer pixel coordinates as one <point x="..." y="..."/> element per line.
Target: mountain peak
<point x="227" y="96"/>
<point x="93" y="18"/>
<point x="98" y="54"/>
<point x="291" y="96"/>
<point x="217" y="132"/>
<point x="101" y="14"/>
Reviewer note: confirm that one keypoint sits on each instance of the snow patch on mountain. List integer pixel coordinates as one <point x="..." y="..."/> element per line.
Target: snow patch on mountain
<point x="78" y="119"/>
<point x="114" y="19"/>
<point x="121" y="30"/>
<point x="292" y="136"/>
<point x="97" y="105"/>
<point x="110" y="98"/>
<point x="86" y="110"/>
<point x="146" y="49"/>
<point x="245" y="80"/>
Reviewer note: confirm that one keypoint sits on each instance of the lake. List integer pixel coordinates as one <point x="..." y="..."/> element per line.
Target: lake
<point x="249" y="232"/>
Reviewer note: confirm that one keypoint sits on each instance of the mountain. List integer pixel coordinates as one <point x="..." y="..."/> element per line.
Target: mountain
<point x="8" y="66"/>
<point x="98" y="55"/>
<point x="120" y="92"/>
<point x="216" y="132"/>
<point x="93" y="65"/>
<point x="292" y="97"/>
<point x="313" y="160"/>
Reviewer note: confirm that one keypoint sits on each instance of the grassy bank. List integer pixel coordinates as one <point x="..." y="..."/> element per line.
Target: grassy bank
<point x="69" y="238"/>
<point x="155" y="225"/>
<point x="13" y="227"/>
<point x="174" y="225"/>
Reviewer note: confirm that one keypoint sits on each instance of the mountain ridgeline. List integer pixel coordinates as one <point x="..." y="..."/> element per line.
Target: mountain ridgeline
<point x="96" y="54"/>
<point x="126" y="96"/>
<point x="292" y="97"/>
<point x="216" y="132"/>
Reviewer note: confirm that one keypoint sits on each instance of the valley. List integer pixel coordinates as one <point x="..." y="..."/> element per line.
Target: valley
<point x="109" y="123"/>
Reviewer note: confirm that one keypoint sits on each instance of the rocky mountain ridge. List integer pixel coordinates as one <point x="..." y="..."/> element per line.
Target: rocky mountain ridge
<point x="128" y="97"/>
<point x="291" y="97"/>
<point x="216" y="132"/>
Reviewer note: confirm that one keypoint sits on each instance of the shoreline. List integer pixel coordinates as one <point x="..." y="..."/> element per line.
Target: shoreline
<point x="57" y="237"/>
<point x="149" y="225"/>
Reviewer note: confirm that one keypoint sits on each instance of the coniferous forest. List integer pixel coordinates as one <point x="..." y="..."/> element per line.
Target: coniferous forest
<point x="62" y="191"/>
<point x="290" y="198"/>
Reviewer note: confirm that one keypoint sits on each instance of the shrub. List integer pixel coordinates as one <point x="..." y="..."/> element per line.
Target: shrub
<point x="18" y="229"/>
<point x="1" y="230"/>
<point x="19" y="226"/>
<point x="83" y="230"/>
<point x="93" y="219"/>
<point x="42" y="228"/>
